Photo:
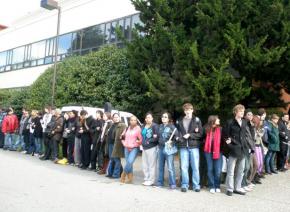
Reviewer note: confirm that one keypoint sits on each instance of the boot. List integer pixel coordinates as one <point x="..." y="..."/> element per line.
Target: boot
<point x="104" y="169"/>
<point x="123" y="177"/>
<point x="130" y="178"/>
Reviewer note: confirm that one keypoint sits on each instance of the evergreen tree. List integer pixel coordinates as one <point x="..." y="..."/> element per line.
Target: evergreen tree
<point x="208" y="52"/>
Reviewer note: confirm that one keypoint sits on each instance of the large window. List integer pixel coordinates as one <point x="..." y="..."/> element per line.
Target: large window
<point x="127" y="28"/>
<point x="49" y="50"/>
<point x="107" y="32"/>
<point x="93" y="36"/>
<point x="79" y="42"/>
<point x="76" y="40"/>
<point x="114" y="25"/>
<point x="37" y="50"/>
<point x="18" y="55"/>
<point x="65" y="43"/>
<point x="3" y="58"/>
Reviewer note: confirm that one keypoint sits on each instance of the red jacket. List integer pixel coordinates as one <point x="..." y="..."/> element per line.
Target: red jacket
<point x="10" y="124"/>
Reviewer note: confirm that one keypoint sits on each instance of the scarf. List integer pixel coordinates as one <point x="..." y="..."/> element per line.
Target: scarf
<point x="216" y="136"/>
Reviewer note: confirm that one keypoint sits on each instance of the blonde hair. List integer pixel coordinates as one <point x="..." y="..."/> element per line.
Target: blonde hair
<point x="237" y="108"/>
<point x="34" y="113"/>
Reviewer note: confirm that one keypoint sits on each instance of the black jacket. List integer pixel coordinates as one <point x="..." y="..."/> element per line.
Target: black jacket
<point x="96" y="129"/>
<point x="283" y="134"/>
<point x="36" y="125"/>
<point x="238" y="147"/>
<point x="148" y="140"/>
<point x="195" y="135"/>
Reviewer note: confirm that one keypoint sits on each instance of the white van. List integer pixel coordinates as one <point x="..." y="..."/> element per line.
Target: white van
<point x="125" y="116"/>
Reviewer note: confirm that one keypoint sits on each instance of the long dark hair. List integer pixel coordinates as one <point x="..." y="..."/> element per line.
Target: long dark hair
<point x="211" y="122"/>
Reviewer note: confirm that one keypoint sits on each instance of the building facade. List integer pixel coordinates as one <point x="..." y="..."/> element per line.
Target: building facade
<point x="27" y="47"/>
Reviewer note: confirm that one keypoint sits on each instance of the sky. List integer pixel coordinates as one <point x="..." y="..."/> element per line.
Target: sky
<point x="11" y="10"/>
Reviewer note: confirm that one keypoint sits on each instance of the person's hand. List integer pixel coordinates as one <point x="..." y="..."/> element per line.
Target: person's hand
<point x="98" y="128"/>
<point x="186" y="136"/>
<point x="52" y="132"/>
<point x="154" y="136"/>
<point x="68" y="131"/>
<point x="196" y="130"/>
<point x="228" y="141"/>
<point x="81" y="131"/>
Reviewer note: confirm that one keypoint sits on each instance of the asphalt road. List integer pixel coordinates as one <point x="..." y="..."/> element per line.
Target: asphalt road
<point x="28" y="184"/>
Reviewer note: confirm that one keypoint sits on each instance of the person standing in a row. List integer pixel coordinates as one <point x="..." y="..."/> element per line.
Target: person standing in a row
<point x="56" y="134"/>
<point x="213" y="154"/>
<point x="116" y="150"/>
<point x="150" y="150"/>
<point x="190" y="135"/>
<point x="236" y="143"/>
<point x="86" y="138"/>
<point x="166" y="130"/>
<point x="131" y="140"/>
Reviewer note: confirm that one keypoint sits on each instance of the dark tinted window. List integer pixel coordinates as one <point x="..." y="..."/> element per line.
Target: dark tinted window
<point x="93" y="36"/>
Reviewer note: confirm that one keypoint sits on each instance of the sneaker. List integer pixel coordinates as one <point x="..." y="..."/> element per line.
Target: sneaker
<point x="197" y="190"/>
<point x="229" y="193"/>
<point x="212" y="190"/>
<point x="147" y="183"/>
<point x="24" y="152"/>
<point x="172" y="187"/>
<point x="36" y="154"/>
<point x="217" y="190"/>
<point x="247" y="189"/>
<point x="240" y="192"/>
<point x="183" y="190"/>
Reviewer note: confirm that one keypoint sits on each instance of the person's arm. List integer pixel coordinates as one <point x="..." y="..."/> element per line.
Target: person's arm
<point x="4" y="125"/>
<point x="155" y="130"/>
<point x="59" y="126"/>
<point x="197" y="131"/>
<point x="282" y="131"/>
<point x="139" y="135"/>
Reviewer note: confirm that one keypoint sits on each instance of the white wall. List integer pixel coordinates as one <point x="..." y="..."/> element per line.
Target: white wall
<point x="76" y="14"/>
<point x="22" y="77"/>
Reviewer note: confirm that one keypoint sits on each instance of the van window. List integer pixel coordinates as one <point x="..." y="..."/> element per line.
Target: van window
<point x="123" y="120"/>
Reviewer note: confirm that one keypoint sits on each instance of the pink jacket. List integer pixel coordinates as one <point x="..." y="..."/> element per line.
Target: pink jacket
<point x="133" y="137"/>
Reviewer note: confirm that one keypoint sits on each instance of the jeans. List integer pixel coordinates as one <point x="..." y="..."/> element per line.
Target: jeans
<point x="269" y="161"/>
<point x="114" y="168"/>
<point x="9" y="140"/>
<point x="235" y="173"/>
<point x="246" y="170"/>
<point x="214" y="169"/>
<point x="130" y="157"/>
<point x="31" y="145"/>
<point x="189" y="157"/>
<point x="20" y="143"/>
<point x="170" y="165"/>
<point x="37" y="144"/>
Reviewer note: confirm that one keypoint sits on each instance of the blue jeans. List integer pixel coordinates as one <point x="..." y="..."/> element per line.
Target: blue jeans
<point x="114" y="168"/>
<point x="269" y="161"/>
<point x="9" y="140"/>
<point x="20" y="143"/>
<point x="31" y="145"/>
<point x="130" y="157"/>
<point x="37" y="144"/>
<point x="189" y="157"/>
<point x="170" y="165"/>
<point x="214" y="169"/>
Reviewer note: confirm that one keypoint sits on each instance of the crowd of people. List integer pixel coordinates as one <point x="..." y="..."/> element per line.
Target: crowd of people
<point x="250" y="145"/>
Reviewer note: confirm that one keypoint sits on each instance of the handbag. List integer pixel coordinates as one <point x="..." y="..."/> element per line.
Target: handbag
<point x="170" y="149"/>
